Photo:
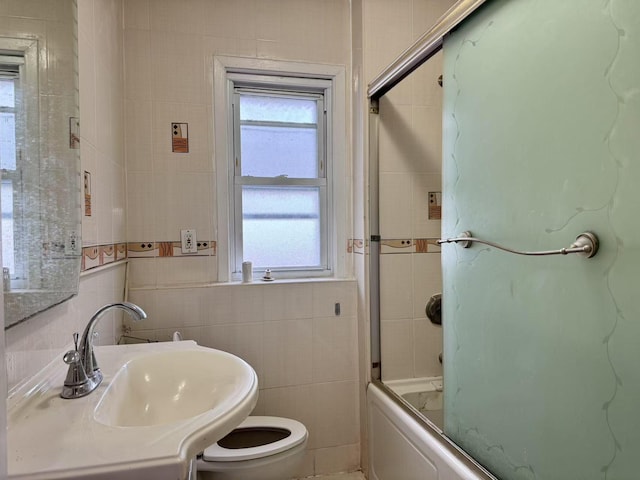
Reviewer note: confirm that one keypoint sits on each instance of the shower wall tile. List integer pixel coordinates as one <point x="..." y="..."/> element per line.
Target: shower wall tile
<point x="427" y="130"/>
<point x="398" y="145"/>
<point x="422" y="184"/>
<point x="428" y="345"/>
<point x="427" y="281"/>
<point x="410" y="156"/>
<point x="426" y="89"/>
<point x="396" y="287"/>
<point x="396" y="211"/>
<point x="398" y="246"/>
<point x="400" y="94"/>
<point x="397" y="349"/>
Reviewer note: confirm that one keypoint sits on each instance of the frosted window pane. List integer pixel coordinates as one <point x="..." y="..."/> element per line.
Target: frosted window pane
<point x="6" y="193"/>
<point x="269" y="151"/>
<point x="7" y="93"/>
<point x="7" y="141"/>
<point x="281" y="226"/>
<point x="277" y="109"/>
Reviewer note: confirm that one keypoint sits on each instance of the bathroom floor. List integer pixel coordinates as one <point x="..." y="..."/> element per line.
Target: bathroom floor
<point x="339" y="476"/>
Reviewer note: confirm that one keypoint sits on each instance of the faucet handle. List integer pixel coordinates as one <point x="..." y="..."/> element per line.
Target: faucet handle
<point x="77" y="383"/>
<point x="76" y="336"/>
<point x="72" y="356"/>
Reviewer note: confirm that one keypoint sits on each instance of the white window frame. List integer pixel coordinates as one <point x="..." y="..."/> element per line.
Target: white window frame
<point x="280" y="74"/>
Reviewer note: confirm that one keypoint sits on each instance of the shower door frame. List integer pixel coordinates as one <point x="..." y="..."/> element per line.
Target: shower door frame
<point x="412" y="58"/>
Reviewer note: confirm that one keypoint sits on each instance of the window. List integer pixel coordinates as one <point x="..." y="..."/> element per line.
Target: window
<point x="279" y="182"/>
<point x="10" y="67"/>
<point x="276" y="137"/>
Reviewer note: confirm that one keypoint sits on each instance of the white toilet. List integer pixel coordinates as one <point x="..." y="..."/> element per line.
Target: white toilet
<point x="260" y="448"/>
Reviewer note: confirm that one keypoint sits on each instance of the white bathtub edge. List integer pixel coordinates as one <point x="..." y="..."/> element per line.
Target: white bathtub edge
<point x="439" y="456"/>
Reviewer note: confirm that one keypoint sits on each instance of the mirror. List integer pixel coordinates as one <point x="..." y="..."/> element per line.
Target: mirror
<point x="39" y="156"/>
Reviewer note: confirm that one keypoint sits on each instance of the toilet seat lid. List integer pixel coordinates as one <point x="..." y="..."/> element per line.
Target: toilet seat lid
<point x="216" y="453"/>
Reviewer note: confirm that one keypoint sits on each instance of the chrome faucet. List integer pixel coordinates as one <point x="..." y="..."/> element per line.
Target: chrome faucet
<point x="84" y="375"/>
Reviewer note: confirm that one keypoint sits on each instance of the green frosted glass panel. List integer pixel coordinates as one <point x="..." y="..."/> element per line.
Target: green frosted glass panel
<point x="541" y="142"/>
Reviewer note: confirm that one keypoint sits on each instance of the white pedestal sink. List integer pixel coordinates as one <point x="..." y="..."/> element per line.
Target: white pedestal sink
<point x="159" y="405"/>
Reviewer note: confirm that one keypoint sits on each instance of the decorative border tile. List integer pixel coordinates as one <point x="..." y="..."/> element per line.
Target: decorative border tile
<point x="121" y="251"/>
<point x="358" y="246"/>
<point x="90" y="258"/>
<point x="107" y="254"/>
<point x="427" y="245"/>
<point x="141" y="249"/>
<point x="95" y="256"/>
<point x="166" y="249"/>
<point x="404" y="245"/>
<point x="407" y="245"/>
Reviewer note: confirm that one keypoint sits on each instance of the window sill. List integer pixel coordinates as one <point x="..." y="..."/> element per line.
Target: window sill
<point x="256" y="283"/>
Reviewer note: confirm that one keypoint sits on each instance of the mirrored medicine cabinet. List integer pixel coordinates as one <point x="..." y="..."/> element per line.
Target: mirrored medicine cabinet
<point x="39" y="156"/>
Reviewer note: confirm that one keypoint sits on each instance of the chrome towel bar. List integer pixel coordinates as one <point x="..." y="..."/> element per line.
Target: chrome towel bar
<point x="586" y="244"/>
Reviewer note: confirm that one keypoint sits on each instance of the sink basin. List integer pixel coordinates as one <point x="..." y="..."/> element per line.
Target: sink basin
<point x="167" y="387"/>
<point x="159" y="405"/>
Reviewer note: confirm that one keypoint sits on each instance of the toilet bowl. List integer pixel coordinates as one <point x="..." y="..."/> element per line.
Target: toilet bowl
<point x="260" y="448"/>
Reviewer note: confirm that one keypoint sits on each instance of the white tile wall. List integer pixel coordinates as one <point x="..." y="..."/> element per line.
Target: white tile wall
<point x="168" y="49"/>
<point x="396" y="292"/>
<point x="305" y="356"/>
<point x="396" y="207"/>
<point x="397" y="347"/>
<point x="287" y="331"/>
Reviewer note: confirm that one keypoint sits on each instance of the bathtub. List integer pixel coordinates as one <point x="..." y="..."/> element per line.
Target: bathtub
<point x="422" y="394"/>
<point x="401" y="447"/>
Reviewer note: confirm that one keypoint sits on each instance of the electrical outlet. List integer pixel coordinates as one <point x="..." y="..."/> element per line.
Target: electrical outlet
<point x="188" y="240"/>
<point x="72" y="245"/>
